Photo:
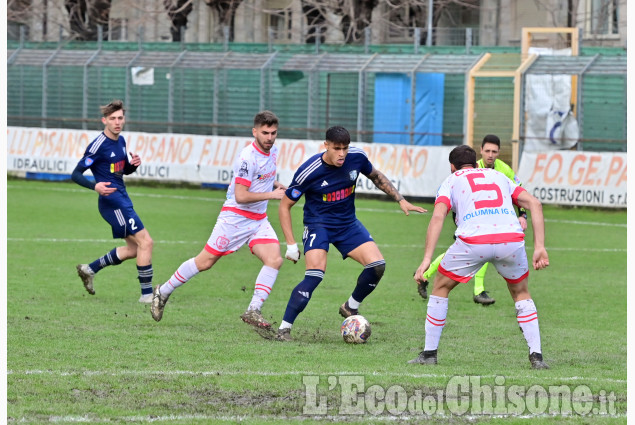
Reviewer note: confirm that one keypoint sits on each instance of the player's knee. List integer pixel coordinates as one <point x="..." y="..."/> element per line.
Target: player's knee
<point x="146" y="244"/>
<point x="274" y="263"/>
<point x="380" y="269"/>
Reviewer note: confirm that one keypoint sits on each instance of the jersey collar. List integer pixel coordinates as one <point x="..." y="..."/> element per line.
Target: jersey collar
<point x="255" y="145"/>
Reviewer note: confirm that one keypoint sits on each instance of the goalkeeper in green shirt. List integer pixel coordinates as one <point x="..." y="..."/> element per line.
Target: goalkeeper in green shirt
<point x="490" y="149"/>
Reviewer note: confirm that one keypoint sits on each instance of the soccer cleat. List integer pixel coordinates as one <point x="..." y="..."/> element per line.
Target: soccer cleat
<point x="283" y="335"/>
<point x="87" y="276"/>
<point x="536" y="361"/>
<point x="254" y="318"/>
<point x="484" y="299"/>
<point x="146" y="298"/>
<point x="422" y="288"/>
<point x="425" y="357"/>
<point x="158" y="303"/>
<point x="346" y="311"/>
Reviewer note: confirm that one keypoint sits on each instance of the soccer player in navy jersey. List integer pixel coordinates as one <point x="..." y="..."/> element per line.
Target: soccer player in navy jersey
<point x="328" y="181"/>
<point x="107" y="159"/>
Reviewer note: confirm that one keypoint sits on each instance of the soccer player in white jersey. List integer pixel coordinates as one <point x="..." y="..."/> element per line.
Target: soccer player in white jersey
<point x="487" y="231"/>
<point x="242" y="220"/>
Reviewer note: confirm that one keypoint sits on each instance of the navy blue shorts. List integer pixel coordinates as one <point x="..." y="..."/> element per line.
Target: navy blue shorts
<point x="345" y="239"/>
<point x="122" y="218"/>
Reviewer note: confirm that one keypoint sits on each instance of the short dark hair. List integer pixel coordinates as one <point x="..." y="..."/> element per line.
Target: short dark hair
<point x="338" y="134"/>
<point x="267" y="118"/>
<point x="112" y="107"/>
<point x="462" y="155"/>
<point x="491" y="138"/>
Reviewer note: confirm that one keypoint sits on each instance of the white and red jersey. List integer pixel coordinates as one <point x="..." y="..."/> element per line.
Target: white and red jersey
<point x="483" y="200"/>
<point x="256" y="170"/>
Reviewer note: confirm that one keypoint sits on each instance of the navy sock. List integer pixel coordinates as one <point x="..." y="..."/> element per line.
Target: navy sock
<point x="368" y="279"/>
<point x="110" y="259"/>
<point x="302" y="294"/>
<point x="145" y="278"/>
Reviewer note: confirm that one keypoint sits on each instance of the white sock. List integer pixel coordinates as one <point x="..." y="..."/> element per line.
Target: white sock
<point x="527" y="317"/>
<point x="285" y="325"/>
<point x="264" y="283"/>
<point x="352" y="303"/>
<point x="185" y="272"/>
<point x="435" y="321"/>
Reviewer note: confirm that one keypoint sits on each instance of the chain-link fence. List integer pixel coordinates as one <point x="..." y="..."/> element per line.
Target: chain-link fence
<point x="380" y="93"/>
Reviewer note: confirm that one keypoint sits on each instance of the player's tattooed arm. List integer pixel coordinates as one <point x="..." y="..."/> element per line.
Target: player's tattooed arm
<point x="381" y="181"/>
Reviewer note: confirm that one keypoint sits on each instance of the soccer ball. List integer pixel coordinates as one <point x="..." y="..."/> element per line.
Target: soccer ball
<point x="355" y="329"/>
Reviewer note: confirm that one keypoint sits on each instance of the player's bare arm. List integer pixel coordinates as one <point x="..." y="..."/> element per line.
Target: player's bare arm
<point x="432" y="237"/>
<point x="380" y="180"/>
<point x="284" y="214"/>
<point x="244" y="196"/>
<point x="530" y="202"/>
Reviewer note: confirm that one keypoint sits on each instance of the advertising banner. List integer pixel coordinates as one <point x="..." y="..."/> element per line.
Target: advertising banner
<point x="575" y="178"/>
<point x="414" y="170"/>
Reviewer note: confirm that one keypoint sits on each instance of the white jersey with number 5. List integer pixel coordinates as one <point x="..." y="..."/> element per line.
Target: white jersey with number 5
<point x="483" y="200"/>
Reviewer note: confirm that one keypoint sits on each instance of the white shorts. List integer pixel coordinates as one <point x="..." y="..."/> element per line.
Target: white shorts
<point x="233" y="230"/>
<point x="462" y="260"/>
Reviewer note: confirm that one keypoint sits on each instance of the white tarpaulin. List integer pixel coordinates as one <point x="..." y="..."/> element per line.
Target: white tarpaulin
<point x="550" y="124"/>
<point x="142" y="76"/>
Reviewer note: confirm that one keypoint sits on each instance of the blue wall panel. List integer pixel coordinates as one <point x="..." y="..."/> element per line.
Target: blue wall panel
<point x="393" y="108"/>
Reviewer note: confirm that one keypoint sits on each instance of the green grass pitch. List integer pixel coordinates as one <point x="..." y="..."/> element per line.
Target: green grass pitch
<point x="77" y="358"/>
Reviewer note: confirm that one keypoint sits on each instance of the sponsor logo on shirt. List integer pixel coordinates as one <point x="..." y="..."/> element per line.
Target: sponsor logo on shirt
<point x="338" y="195"/>
<point x="324" y="183"/>
<point x="117" y="167"/>
<point x="266" y="176"/>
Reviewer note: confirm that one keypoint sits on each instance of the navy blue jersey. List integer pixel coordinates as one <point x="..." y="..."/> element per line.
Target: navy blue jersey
<point x="107" y="160"/>
<point x="329" y="190"/>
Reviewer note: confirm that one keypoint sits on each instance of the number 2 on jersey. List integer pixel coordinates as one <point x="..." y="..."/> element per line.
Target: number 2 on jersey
<point x="133" y="225"/>
<point x="476" y="187"/>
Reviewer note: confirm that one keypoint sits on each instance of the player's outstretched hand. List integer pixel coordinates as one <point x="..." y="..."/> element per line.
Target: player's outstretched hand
<point x="277" y="193"/>
<point x="135" y="159"/>
<point x="418" y="276"/>
<point x="407" y="206"/>
<point x="293" y="253"/>
<point x="523" y="223"/>
<point x="541" y="258"/>
<point x="103" y="189"/>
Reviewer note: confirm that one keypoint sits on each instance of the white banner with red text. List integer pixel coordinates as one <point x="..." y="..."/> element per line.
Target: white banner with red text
<point x="575" y="178"/>
<point x="414" y="170"/>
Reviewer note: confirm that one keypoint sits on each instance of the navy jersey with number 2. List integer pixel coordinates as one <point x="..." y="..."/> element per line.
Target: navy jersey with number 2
<point x="108" y="160"/>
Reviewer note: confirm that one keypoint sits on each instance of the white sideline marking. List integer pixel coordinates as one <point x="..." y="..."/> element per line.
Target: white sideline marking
<point x="330" y="418"/>
<point x="290" y="373"/>
<point x="378" y="210"/>
<point x="170" y="242"/>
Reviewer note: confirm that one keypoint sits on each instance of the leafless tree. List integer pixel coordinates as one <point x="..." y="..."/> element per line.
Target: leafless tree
<point x="354" y="16"/>
<point x="350" y="17"/>
<point x="177" y="12"/>
<point x="85" y="16"/>
<point x="226" y="10"/>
